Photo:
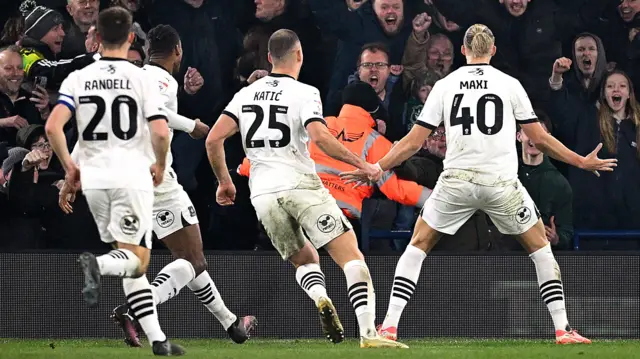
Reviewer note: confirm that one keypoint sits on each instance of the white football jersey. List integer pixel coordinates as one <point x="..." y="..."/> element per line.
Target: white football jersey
<point x="113" y="102"/>
<point x="272" y="114"/>
<point x="168" y="87"/>
<point x="479" y="106"/>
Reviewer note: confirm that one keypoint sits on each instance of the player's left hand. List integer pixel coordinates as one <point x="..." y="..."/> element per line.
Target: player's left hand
<point x="200" y="131"/>
<point x="226" y="194"/>
<point x="594" y="164"/>
<point x="552" y="234"/>
<point x="193" y="81"/>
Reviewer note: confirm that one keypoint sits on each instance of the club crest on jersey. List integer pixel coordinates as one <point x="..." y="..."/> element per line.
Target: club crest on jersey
<point x="326" y="223"/>
<point x="165" y="218"/>
<point x="130" y="224"/>
<point x="523" y="215"/>
<point x="110" y="69"/>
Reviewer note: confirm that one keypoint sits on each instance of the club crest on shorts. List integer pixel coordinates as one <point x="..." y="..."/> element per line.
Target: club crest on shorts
<point x="326" y="223"/>
<point x="523" y="215"/>
<point x="165" y="218"/>
<point x="192" y="211"/>
<point x="129" y="224"/>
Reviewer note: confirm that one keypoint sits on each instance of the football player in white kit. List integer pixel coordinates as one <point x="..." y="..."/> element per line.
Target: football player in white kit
<point x="276" y="115"/>
<point x="174" y="218"/>
<point x="123" y="131"/>
<point x="480" y="107"/>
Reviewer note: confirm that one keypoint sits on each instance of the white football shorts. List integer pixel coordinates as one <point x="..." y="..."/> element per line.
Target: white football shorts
<point x="307" y="212"/>
<point x="172" y="211"/>
<point x="122" y="215"/>
<point x="454" y="201"/>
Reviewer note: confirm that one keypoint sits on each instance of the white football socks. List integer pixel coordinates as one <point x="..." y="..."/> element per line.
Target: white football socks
<point x="119" y="263"/>
<point x="204" y="288"/>
<point x="550" y="283"/>
<point x="311" y="280"/>
<point x="362" y="296"/>
<point x="404" y="284"/>
<point x="141" y="303"/>
<point x="171" y="279"/>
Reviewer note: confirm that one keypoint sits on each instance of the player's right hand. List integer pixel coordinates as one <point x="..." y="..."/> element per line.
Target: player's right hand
<point x="226" y="194"/>
<point x="594" y="164"/>
<point x="157" y="173"/>
<point x="200" y="131"/>
<point x="561" y="65"/>
<point x="66" y="197"/>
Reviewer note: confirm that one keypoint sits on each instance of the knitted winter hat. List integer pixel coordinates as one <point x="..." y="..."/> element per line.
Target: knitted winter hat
<point x="40" y="20"/>
<point x="16" y="155"/>
<point x="361" y="94"/>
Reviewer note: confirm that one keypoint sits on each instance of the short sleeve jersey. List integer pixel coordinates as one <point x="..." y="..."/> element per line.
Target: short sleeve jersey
<point x="168" y="89"/>
<point x="272" y="115"/>
<point x="479" y="107"/>
<point x="113" y="100"/>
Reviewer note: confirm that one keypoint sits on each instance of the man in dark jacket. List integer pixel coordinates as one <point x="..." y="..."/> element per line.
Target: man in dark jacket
<point x="16" y="107"/>
<point x="549" y="190"/>
<point x="83" y="13"/>
<point x="375" y="21"/>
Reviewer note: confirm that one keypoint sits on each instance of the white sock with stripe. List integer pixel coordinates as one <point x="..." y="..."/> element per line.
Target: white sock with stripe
<point x="119" y="263"/>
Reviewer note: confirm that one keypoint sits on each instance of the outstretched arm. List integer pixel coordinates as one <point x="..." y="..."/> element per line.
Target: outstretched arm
<point x="554" y="148"/>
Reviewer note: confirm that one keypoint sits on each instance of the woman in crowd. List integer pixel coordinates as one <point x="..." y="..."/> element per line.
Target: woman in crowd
<point x="612" y="201"/>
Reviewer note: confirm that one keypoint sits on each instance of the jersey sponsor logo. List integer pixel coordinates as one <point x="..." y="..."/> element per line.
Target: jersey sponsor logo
<point x="477" y="71"/>
<point x="346" y="136"/>
<point x="326" y="223"/>
<point x="163" y="86"/>
<point x="165" y="218"/>
<point x="130" y="224"/>
<point x="523" y="215"/>
<point x="273" y="83"/>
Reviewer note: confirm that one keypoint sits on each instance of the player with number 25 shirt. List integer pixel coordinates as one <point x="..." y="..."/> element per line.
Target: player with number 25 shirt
<point x="277" y="116"/>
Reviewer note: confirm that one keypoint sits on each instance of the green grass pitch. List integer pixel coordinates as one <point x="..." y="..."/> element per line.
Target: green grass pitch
<point x="312" y="349"/>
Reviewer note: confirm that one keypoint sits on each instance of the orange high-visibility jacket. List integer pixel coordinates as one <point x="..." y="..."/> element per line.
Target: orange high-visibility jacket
<point x="354" y="128"/>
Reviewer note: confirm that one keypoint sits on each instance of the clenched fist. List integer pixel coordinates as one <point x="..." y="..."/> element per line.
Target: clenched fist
<point x="561" y="65"/>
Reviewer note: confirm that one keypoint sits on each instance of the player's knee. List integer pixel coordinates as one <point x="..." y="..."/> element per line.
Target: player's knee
<point x="199" y="264"/>
<point x="306" y="255"/>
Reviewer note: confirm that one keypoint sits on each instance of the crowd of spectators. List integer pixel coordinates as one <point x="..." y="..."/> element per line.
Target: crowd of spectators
<point x="579" y="61"/>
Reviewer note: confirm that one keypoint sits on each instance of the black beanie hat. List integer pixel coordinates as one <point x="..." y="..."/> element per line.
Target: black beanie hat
<point x="361" y="94"/>
<point x="40" y="21"/>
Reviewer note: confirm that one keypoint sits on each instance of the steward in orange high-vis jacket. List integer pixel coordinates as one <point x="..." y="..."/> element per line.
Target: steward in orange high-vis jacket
<point x="355" y="128"/>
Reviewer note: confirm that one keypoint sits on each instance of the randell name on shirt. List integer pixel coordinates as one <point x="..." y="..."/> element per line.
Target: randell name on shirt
<point x="107" y="84"/>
